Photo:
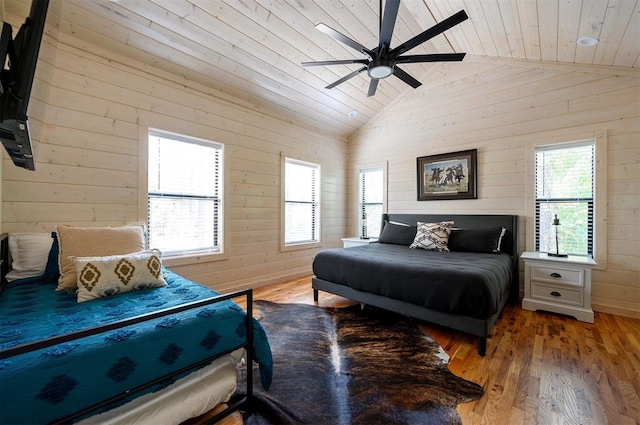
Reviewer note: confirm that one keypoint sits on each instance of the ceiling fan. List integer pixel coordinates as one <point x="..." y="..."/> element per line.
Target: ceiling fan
<point x="382" y="60"/>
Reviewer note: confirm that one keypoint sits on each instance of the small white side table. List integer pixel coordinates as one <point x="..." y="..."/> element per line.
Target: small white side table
<point x="356" y="241"/>
<point x="558" y="284"/>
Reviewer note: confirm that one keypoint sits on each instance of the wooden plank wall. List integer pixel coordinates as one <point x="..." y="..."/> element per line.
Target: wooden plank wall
<point x="504" y="110"/>
<point x="89" y="114"/>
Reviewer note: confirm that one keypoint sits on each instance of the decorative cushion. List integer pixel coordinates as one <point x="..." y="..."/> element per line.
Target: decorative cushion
<point x="432" y="236"/>
<point x="100" y="277"/>
<point x="476" y="240"/>
<point x="397" y="234"/>
<point x="93" y="242"/>
<point x="29" y="253"/>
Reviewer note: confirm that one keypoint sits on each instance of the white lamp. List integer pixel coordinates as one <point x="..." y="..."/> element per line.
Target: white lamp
<point x="556" y="225"/>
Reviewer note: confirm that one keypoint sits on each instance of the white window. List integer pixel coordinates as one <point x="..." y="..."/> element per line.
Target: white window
<point x="301" y="202"/>
<point x="564" y="187"/>
<point x="184" y="194"/>
<point x="371" y="197"/>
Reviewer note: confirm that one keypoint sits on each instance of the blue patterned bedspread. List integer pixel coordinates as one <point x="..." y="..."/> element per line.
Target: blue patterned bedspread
<point x="54" y="382"/>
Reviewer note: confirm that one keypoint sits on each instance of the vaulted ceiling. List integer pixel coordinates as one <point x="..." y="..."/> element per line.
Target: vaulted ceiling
<point x="252" y="50"/>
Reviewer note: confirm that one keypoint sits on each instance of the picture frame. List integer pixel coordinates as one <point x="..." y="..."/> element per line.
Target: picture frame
<point x="448" y="176"/>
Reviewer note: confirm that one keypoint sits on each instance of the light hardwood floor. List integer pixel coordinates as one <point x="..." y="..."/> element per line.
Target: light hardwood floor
<point x="540" y="368"/>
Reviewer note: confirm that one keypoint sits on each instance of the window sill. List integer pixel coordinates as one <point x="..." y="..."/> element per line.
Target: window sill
<point x="183" y="260"/>
<point x="296" y="247"/>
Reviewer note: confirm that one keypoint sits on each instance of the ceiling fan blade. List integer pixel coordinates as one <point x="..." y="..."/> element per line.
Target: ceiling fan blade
<point x="406" y="77"/>
<point x="436" y="57"/>
<point x="343" y="39"/>
<point x="438" y="28"/>
<point x="373" y="85"/>
<point x="343" y="79"/>
<point x="388" y="22"/>
<point x="336" y="62"/>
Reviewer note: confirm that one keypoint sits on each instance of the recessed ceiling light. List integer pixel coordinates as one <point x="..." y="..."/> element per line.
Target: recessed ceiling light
<point x="588" y="41"/>
<point x="353" y="114"/>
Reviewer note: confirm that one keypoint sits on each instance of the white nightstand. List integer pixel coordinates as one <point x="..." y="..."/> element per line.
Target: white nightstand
<point x="558" y="284"/>
<point x="355" y="241"/>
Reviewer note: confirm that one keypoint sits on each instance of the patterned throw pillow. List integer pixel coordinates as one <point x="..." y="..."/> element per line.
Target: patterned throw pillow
<point x="100" y="277"/>
<point x="432" y="236"/>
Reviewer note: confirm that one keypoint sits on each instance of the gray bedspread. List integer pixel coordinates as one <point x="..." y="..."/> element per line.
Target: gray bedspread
<point x="461" y="283"/>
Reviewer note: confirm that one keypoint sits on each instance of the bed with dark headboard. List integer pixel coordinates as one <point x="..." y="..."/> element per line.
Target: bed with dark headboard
<point x="463" y="288"/>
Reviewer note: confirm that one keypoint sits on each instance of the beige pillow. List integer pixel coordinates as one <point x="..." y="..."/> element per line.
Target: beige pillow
<point x="100" y="277"/>
<point x="93" y="242"/>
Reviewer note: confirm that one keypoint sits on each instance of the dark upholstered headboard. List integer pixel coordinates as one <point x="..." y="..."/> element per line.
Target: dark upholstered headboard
<point x="474" y="221"/>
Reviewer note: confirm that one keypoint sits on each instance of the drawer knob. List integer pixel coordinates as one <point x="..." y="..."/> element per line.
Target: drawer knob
<point x="556" y="294"/>
<point x="554" y="274"/>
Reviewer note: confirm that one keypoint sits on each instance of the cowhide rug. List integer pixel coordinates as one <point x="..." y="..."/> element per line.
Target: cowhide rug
<point x="350" y="366"/>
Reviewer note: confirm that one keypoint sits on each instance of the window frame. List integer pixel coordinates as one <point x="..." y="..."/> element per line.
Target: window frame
<point x="588" y="202"/>
<point x="599" y="138"/>
<point x="288" y="246"/>
<point x="195" y="256"/>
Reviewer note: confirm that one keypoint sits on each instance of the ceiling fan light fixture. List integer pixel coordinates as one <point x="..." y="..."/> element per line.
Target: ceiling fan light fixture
<point x="380" y="61"/>
<point x="380" y="69"/>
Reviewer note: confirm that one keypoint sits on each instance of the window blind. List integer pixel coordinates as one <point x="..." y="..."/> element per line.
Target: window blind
<point x="301" y="202"/>
<point x="371" y="201"/>
<point x="184" y="194"/>
<point x="564" y="186"/>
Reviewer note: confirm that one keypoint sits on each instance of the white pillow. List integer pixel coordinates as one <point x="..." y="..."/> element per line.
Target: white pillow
<point x="504" y="230"/>
<point x="29" y="254"/>
<point x="115" y="274"/>
<point x="432" y="236"/>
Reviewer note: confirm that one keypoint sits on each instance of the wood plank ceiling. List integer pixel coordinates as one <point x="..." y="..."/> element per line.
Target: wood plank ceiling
<point x="251" y="50"/>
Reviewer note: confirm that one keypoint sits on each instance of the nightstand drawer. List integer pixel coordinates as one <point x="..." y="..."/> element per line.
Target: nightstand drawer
<point x="556" y="294"/>
<point x="558" y="275"/>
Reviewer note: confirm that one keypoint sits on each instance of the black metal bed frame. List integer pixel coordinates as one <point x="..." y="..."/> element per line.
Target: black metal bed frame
<point x="243" y="402"/>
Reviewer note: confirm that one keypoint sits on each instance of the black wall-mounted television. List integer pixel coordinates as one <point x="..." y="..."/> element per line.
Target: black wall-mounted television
<point x="20" y="56"/>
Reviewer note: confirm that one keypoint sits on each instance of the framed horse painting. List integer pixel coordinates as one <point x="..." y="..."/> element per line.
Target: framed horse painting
<point x="448" y="176"/>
